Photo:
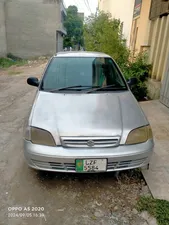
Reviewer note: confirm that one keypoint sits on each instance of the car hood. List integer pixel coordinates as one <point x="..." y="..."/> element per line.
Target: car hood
<point x="95" y="114"/>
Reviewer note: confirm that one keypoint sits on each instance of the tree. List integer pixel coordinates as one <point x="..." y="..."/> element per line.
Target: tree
<point x="104" y="34"/>
<point x="74" y="26"/>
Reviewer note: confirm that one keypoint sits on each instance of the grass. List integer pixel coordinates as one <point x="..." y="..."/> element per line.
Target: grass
<point x="7" y="62"/>
<point x="159" y="209"/>
<point x="14" y="72"/>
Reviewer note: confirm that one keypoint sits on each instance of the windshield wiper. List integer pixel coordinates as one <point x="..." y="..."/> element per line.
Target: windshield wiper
<point x="71" y="87"/>
<point x="109" y="87"/>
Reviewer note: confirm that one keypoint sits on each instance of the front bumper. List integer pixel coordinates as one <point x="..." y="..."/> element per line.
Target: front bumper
<point x="61" y="159"/>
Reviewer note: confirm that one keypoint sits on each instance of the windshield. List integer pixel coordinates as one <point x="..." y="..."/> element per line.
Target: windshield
<point x="72" y="73"/>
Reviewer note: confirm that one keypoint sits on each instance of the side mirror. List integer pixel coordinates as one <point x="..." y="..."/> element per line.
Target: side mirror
<point x="132" y="81"/>
<point x="33" y="81"/>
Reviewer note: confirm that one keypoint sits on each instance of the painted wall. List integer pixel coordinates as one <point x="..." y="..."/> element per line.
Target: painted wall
<point x="151" y="35"/>
<point x="140" y="28"/>
<point x="33" y="32"/>
<point x="159" y="58"/>
<point x="159" y="46"/>
<point x="3" y="46"/>
<point x="120" y="9"/>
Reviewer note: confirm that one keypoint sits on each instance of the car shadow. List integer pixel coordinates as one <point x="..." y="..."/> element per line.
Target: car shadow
<point x="127" y="176"/>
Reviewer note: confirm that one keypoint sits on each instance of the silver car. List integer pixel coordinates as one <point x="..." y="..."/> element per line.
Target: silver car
<point x="85" y="118"/>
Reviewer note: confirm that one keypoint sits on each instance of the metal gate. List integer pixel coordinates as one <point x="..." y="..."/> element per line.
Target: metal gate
<point x="164" y="94"/>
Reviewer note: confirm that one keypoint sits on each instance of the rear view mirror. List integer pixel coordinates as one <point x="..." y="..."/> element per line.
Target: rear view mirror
<point x="132" y="81"/>
<point x="33" y="81"/>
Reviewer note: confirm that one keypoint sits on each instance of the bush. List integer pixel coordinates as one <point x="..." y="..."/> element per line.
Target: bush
<point x="140" y="69"/>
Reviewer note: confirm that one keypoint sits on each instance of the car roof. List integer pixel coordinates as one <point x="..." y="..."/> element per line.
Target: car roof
<point x="81" y="54"/>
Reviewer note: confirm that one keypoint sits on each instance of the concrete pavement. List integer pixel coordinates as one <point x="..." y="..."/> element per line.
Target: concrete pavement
<point x="157" y="177"/>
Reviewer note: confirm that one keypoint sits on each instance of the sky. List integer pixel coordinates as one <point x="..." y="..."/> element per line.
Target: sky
<point x="82" y="6"/>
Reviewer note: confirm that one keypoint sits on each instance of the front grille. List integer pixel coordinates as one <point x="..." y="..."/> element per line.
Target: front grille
<point x="90" y="142"/>
<point x="63" y="166"/>
<point x="55" y="165"/>
<point x="71" y="167"/>
<point x="125" y="164"/>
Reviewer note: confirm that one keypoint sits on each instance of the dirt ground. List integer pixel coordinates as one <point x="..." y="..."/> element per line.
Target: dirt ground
<point x="65" y="199"/>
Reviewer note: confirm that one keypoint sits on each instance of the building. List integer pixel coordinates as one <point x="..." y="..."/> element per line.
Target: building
<point x="150" y="32"/>
<point x="140" y="25"/>
<point x="31" y="28"/>
<point x="119" y="9"/>
<point x="81" y="15"/>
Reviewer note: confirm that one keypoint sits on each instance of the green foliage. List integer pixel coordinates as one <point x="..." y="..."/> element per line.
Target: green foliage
<point x="140" y="69"/>
<point x="11" y="61"/>
<point x="4" y="62"/>
<point x="155" y="207"/>
<point x="74" y="27"/>
<point x="104" y="34"/>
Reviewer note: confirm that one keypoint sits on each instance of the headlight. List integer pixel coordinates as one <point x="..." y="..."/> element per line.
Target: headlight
<point x="139" y="135"/>
<point x="39" y="136"/>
